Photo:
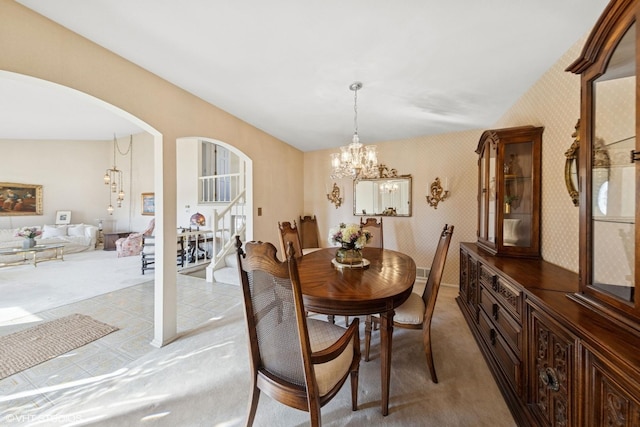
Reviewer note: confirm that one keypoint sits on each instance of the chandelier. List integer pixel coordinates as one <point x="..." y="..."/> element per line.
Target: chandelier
<point x="388" y="187"/>
<point x="113" y="176"/>
<point x="355" y="161"/>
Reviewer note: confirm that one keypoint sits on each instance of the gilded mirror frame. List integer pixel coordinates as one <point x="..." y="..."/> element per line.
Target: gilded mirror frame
<point x="405" y="187"/>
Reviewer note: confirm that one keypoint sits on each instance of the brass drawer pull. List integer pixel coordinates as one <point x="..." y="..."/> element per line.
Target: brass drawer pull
<point x="549" y="378"/>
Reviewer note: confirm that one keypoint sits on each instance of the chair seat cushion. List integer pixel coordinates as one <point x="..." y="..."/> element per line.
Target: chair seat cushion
<point x="322" y="335"/>
<point x="309" y="250"/>
<point x="411" y="312"/>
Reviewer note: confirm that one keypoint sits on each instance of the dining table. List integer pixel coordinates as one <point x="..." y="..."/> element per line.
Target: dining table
<point x="385" y="282"/>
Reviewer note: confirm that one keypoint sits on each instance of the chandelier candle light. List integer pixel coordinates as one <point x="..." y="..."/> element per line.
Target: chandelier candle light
<point x="113" y="177"/>
<point x="355" y="160"/>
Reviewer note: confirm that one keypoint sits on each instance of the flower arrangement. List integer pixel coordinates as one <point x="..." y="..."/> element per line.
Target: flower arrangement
<point x="28" y="232"/>
<point x="350" y="235"/>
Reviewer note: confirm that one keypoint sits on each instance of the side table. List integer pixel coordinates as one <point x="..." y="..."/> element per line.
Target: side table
<point x="110" y="239"/>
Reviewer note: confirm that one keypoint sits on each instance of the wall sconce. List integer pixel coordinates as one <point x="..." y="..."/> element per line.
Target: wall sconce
<point x="437" y="193"/>
<point x="334" y="196"/>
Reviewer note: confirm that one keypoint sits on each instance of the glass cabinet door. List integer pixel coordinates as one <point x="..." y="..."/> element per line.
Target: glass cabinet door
<point x="613" y="175"/>
<point x="487" y="194"/>
<point x="518" y="196"/>
<point x="609" y="160"/>
<point x="509" y="191"/>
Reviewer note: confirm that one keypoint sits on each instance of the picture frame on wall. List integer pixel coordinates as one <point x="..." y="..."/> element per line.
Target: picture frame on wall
<point x="20" y="199"/>
<point x="148" y="204"/>
<point x="63" y="217"/>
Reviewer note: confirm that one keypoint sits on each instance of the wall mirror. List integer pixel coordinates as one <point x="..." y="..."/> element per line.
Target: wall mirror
<point x="390" y="196"/>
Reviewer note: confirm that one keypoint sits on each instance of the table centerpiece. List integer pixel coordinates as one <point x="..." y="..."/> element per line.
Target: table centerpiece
<point x="29" y="234"/>
<point x="351" y="238"/>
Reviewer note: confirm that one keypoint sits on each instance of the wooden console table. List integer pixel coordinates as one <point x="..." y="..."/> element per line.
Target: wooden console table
<point x="110" y="239"/>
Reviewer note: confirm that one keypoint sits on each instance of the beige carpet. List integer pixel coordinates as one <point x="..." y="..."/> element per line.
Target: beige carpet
<point x="26" y="289"/>
<point x="202" y="379"/>
<point x="25" y="349"/>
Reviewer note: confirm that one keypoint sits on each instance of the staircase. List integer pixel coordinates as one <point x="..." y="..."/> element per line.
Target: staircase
<point x="229" y="273"/>
<point x="227" y="223"/>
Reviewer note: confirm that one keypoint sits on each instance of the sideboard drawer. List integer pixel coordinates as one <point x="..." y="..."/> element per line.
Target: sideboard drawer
<point x="508" y="362"/>
<point x="508" y="295"/>
<point x="502" y="318"/>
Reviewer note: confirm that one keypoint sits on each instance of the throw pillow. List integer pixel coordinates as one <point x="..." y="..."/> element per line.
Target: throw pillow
<point x="76" y="230"/>
<point x="51" y="231"/>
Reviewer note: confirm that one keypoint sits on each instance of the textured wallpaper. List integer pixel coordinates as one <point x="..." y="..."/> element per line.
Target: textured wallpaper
<point x="553" y="102"/>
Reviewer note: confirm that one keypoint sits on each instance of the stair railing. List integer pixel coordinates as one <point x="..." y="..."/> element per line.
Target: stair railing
<point x="227" y="223"/>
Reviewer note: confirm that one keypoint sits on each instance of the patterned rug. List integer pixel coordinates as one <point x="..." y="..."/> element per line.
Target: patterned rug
<point x="25" y="349"/>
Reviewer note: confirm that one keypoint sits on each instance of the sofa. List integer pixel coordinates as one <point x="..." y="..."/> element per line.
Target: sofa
<point x="74" y="237"/>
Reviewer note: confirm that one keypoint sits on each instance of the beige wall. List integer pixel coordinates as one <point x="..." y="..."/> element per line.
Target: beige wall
<point x="553" y="102"/>
<point x="71" y="172"/>
<point x="35" y="46"/>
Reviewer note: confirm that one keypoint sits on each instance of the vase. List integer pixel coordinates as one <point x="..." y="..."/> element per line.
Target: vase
<point x="348" y="254"/>
<point x="28" y="243"/>
<point x="510" y="231"/>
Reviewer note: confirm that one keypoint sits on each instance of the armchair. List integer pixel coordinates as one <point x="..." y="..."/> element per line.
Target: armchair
<point x="132" y="244"/>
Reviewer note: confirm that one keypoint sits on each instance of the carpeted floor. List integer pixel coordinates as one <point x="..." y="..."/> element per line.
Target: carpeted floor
<point x="201" y="379"/>
<point x="27" y="289"/>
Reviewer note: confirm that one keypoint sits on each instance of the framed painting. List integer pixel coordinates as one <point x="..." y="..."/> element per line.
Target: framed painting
<point x="148" y="204"/>
<point x="63" y="217"/>
<point x="20" y="199"/>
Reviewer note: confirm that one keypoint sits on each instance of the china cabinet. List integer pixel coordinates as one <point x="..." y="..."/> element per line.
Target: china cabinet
<point x="609" y="165"/>
<point x="563" y="346"/>
<point x="509" y="191"/>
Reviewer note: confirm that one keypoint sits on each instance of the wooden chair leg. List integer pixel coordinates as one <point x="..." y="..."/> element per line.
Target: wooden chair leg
<point x="355" y="369"/>
<point x="367" y="337"/>
<point x="253" y="405"/>
<point x="429" y="353"/>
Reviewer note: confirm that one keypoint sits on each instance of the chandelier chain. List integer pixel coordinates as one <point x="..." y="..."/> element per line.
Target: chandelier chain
<point x="355" y="161"/>
<point x="355" y="109"/>
<point x="118" y="145"/>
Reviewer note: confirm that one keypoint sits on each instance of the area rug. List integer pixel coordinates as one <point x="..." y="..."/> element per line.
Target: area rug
<point x="25" y="349"/>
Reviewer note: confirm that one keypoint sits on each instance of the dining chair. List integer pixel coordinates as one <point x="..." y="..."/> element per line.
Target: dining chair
<point x="148" y="253"/>
<point x="417" y="311"/>
<point x="298" y="361"/>
<point x="309" y="232"/>
<point x="377" y="235"/>
<point x="289" y="233"/>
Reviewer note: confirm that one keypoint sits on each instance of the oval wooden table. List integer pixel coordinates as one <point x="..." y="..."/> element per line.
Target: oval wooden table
<point x="378" y="289"/>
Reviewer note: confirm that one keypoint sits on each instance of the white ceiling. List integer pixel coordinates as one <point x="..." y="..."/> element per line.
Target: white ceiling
<point x="285" y="66"/>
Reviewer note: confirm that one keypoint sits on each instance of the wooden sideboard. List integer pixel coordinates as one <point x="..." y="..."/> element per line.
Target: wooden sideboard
<point x="557" y="362"/>
<point x="110" y="239"/>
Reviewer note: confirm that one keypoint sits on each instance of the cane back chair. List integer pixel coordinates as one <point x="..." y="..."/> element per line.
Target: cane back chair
<point x="299" y="361"/>
<point x="417" y="311"/>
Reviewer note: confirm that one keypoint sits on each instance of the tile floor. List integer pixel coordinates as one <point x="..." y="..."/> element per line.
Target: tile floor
<point x="130" y="309"/>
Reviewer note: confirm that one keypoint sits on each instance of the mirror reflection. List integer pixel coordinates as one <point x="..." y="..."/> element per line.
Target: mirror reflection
<point x="383" y="196"/>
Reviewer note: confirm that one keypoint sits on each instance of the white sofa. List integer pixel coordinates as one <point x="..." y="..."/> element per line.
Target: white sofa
<point x="74" y="237"/>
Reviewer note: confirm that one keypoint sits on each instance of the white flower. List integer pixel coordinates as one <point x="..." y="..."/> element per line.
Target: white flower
<point x="350" y="234"/>
<point x="28" y="232"/>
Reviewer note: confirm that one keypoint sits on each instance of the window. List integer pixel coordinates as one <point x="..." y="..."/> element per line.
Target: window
<point x="215" y="173"/>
